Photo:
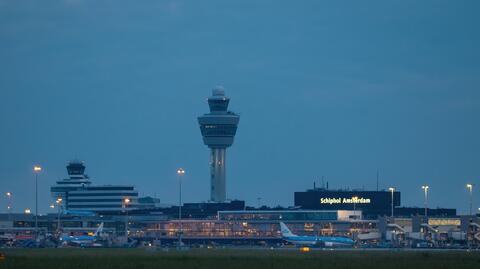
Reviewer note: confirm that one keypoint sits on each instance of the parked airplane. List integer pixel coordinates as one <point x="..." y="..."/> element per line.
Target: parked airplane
<point x="326" y="241"/>
<point x="83" y="240"/>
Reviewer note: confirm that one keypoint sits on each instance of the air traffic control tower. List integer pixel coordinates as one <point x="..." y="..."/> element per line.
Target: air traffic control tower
<point x="218" y="130"/>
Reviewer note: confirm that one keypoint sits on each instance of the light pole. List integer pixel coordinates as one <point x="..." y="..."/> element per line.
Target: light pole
<point x="354" y="198"/>
<point x="9" y="206"/>
<point x="425" y="190"/>
<point x="36" y="169"/>
<point x="392" y="190"/>
<point x="470" y="189"/>
<point x="59" y="204"/>
<point x="180" y="173"/>
<point x="126" y="201"/>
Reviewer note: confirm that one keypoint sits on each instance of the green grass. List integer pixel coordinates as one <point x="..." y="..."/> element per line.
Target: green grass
<point x="233" y="258"/>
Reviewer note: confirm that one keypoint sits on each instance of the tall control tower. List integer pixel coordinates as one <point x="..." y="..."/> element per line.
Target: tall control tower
<point x="218" y="130"/>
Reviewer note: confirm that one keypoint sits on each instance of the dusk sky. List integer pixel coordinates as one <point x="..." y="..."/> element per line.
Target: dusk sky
<point x="338" y="89"/>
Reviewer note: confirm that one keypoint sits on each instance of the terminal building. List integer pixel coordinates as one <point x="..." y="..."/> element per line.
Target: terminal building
<point x="257" y="227"/>
<point x="372" y="203"/>
<point x="77" y="193"/>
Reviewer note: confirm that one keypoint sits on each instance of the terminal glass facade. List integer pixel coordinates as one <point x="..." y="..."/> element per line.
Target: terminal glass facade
<point x="259" y="215"/>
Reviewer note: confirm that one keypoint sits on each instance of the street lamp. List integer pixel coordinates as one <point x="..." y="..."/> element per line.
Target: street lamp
<point x="354" y="198"/>
<point x="392" y="190"/>
<point x="470" y="189"/>
<point x="27" y="211"/>
<point x="425" y="190"/>
<point x="36" y="169"/>
<point x="9" y="206"/>
<point x="180" y="173"/>
<point x="59" y="205"/>
<point x="126" y="201"/>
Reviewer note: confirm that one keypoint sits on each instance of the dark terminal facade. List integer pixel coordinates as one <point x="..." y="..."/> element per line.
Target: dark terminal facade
<point x="371" y="203"/>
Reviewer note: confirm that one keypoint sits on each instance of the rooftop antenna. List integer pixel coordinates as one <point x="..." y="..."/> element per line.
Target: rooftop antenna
<point x="323" y="183"/>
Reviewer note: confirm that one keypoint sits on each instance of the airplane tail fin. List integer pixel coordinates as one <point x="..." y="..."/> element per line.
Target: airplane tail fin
<point x="99" y="230"/>
<point x="285" y="231"/>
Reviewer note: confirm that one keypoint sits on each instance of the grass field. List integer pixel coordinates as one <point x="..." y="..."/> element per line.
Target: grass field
<point x="233" y="258"/>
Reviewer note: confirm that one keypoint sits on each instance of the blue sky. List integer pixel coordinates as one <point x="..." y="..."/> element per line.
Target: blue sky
<point x="338" y="89"/>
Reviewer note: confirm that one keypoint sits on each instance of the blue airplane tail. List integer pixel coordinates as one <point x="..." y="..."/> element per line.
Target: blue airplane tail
<point x="99" y="230"/>
<point x="285" y="231"/>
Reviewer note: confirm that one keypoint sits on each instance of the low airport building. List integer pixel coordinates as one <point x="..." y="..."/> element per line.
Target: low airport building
<point x="254" y="227"/>
<point x="77" y="193"/>
<point x="372" y="203"/>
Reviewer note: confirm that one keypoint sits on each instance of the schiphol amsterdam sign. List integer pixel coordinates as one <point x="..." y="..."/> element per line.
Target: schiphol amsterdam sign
<point x="353" y="200"/>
